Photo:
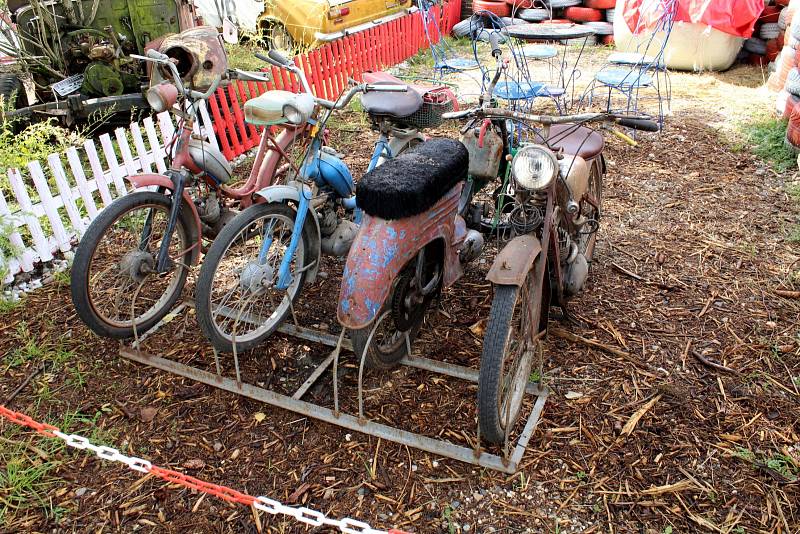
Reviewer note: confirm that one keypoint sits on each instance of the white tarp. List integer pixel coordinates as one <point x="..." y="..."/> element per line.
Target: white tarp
<point x="243" y="13"/>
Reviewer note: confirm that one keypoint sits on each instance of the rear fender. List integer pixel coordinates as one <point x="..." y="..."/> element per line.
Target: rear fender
<point x="515" y="261"/>
<point x="140" y="181"/>
<point x="379" y="252"/>
<point x="289" y="193"/>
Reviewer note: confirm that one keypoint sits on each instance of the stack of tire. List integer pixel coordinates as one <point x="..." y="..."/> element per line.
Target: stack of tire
<point x="597" y="14"/>
<point x="769" y="36"/>
<point x="786" y="76"/>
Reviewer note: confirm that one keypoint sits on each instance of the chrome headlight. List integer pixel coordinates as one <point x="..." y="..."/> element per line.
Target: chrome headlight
<point x="534" y="167"/>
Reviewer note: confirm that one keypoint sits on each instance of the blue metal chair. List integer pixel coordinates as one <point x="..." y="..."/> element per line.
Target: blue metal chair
<point x="628" y="73"/>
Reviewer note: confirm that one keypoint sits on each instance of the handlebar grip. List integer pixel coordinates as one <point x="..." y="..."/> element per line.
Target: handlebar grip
<point x="155" y="54"/>
<point x="266" y="59"/>
<point x="494" y="41"/>
<point x="644" y="125"/>
<point x="278" y="57"/>
<point x="456" y="114"/>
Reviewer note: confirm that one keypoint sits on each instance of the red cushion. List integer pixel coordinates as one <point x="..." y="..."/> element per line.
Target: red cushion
<point x="791" y="102"/>
<point x="770" y="14"/>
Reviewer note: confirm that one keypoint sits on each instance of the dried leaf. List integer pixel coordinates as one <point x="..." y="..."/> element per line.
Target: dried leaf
<point x="147" y="414"/>
<point x="572" y="395"/>
<point x="683" y="485"/>
<point x="631" y="424"/>
<point x="478" y="328"/>
<point x="194" y="463"/>
<point x="296" y="494"/>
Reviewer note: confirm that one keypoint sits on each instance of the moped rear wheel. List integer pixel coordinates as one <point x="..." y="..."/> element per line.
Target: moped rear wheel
<point x="396" y="328"/>
<point x="237" y="302"/>
<point x="509" y="347"/>
<point x="114" y="284"/>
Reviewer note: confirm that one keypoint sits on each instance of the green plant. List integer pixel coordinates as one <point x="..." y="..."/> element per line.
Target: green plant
<point x="9" y="305"/>
<point x="794" y="234"/>
<point x="581" y="475"/>
<point x="447" y="515"/>
<point x="766" y="136"/>
<point x="667" y="529"/>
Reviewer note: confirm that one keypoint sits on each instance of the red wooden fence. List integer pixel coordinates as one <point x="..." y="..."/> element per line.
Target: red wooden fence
<point x="327" y="69"/>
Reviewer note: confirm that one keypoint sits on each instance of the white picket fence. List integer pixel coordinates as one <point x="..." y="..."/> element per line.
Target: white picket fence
<point x="77" y="186"/>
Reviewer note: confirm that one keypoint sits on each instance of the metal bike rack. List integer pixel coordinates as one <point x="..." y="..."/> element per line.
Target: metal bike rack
<point x="507" y="463"/>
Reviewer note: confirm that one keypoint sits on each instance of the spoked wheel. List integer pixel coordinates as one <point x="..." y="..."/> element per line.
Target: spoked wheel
<point x="237" y="298"/>
<point x="398" y="323"/>
<point x="509" y="349"/>
<point x="115" y="286"/>
<point x="591" y="210"/>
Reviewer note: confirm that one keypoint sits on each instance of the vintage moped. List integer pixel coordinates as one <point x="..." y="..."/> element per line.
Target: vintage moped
<point x="131" y="265"/>
<point x="414" y="240"/>
<point x="258" y="265"/>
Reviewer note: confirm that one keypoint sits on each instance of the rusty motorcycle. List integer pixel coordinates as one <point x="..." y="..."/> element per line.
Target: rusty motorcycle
<point x="420" y="228"/>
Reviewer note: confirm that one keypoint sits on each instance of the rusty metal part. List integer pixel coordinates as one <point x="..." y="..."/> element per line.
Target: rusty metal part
<point x="513" y="263"/>
<point x="200" y="57"/>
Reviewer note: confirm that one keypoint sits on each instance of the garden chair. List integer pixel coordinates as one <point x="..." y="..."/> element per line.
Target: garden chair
<point x="628" y="73"/>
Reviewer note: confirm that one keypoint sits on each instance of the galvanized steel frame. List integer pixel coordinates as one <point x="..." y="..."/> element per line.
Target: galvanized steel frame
<point x="507" y="463"/>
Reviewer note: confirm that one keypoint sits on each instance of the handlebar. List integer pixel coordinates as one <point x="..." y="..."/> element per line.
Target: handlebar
<point x="269" y="60"/>
<point x="636" y="122"/>
<point x="278" y="57"/>
<point x="154" y="56"/>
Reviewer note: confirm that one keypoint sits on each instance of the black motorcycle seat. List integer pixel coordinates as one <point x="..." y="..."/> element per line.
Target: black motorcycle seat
<point x="580" y="141"/>
<point x="392" y="104"/>
<point x="414" y="181"/>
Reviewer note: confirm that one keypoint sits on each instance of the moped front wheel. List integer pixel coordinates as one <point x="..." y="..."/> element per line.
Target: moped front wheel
<point x="509" y="348"/>
<point x="239" y="300"/>
<point x="115" y="286"/>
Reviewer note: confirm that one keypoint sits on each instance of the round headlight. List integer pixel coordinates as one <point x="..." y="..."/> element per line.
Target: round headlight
<point x="534" y="167"/>
<point x="293" y="115"/>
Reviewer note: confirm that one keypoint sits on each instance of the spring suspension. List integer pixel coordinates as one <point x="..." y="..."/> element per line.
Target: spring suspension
<point x="567" y="248"/>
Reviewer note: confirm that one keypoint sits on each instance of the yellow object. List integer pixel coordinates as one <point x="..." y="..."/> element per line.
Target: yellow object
<point x="624" y="137"/>
<point x="310" y="23"/>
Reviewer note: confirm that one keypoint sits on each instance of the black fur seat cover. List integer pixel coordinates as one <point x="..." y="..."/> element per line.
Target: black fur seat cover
<point x="414" y="181"/>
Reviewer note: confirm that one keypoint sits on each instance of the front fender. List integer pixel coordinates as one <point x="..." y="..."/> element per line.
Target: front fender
<point x="289" y="193"/>
<point x="140" y="181"/>
<point x="515" y="261"/>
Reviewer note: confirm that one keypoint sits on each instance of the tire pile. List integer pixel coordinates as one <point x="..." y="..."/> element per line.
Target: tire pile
<point x="598" y="14"/>
<point x="771" y="33"/>
<point x="776" y="41"/>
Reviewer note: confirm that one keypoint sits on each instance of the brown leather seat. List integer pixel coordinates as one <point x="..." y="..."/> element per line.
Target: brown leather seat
<point x="581" y="141"/>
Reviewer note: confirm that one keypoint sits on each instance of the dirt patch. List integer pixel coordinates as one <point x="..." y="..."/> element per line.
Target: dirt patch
<point x="690" y="337"/>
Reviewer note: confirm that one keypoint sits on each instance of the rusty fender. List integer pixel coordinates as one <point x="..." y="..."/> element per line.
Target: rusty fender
<point x="513" y="263"/>
<point x="383" y="248"/>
